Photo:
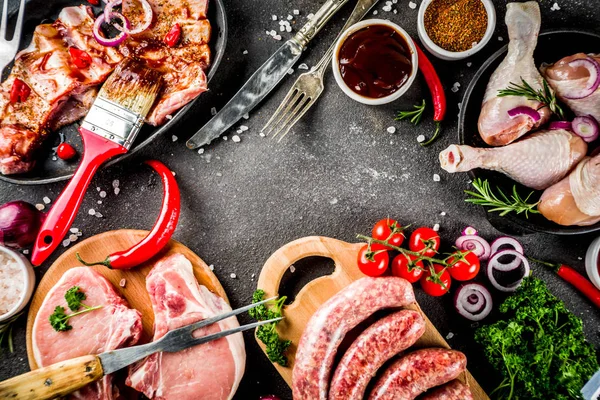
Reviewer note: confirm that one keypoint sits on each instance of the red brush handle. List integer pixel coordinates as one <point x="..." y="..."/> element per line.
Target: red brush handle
<point x="97" y="150"/>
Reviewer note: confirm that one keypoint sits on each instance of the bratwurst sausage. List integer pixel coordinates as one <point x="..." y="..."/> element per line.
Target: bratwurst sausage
<point x="454" y="390"/>
<point x="330" y="323"/>
<point x="417" y="372"/>
<point x="377" y="344"/>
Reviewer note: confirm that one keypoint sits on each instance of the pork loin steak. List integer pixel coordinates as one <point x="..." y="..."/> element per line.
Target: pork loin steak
<point x="113" y="326"/>
<point x="211" y="371"/>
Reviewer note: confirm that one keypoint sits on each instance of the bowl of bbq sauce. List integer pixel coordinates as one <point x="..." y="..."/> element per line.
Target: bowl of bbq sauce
<point x="375" y="62"/>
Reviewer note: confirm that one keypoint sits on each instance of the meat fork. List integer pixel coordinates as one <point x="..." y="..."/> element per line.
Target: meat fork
<point x="8" y="48"/>
<point x="68" y="376"/>
<point x="309" y="86"/>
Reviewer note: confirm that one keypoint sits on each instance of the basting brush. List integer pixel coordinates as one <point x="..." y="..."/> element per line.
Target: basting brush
<point x="109" y="129"/>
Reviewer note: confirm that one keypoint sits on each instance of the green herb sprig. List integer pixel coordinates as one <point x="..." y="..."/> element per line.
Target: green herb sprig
<point x="485" y="196"/>
<point x="276" y="347"/>
<point x="74" y="297"/>
<point x="6" y="329"/>
<point x="415" y="115"/>
<point x="545" y="95"/>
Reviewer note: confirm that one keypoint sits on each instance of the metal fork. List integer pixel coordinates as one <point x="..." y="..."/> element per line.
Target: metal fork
<point x="8" y="48"/>
<point x="309" y="86"/>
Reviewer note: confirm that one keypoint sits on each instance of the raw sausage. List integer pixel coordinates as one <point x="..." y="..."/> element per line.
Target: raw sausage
<point x="377" y="344"/>
<point x="454" y="390"/>
<point x="330" y="323"/>
<point x="417" y="372"/>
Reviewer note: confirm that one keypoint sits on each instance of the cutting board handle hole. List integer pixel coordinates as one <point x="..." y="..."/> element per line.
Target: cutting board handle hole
<point x="305" y="270"/>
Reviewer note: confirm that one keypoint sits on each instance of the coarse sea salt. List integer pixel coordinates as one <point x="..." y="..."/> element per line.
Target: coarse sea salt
<point x="12" y="282"/>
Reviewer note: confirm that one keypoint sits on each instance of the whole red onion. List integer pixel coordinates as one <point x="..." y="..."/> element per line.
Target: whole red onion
<point x="19" y="224"/>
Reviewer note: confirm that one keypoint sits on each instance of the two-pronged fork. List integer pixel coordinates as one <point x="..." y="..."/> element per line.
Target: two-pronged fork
<point x="8" y="48"/>
<point x="309" y="86"/>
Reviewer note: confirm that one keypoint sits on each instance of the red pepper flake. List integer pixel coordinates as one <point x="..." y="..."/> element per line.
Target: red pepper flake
<point x="172" y="38"/>
<point x="80" y="58"/>
<point x="19" y="91"/>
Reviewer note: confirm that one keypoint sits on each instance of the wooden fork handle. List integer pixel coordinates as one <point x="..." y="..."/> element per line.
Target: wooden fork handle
<point x="53" y="381"/>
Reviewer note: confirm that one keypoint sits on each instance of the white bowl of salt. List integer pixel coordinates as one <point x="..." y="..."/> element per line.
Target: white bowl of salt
<point x="17" y="280"/>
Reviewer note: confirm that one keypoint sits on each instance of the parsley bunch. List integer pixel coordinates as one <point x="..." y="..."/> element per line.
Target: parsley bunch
<point x="74" y="297"/>
<point x="267" y="334"/>
<point x="538" y="347"/>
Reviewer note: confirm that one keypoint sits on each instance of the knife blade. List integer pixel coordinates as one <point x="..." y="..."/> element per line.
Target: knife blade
<point x="262" y="82"/>
<point x="591" y="390"/>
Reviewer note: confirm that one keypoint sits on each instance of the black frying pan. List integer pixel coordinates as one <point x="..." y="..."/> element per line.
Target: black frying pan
<point x="552" y="46"/>
<point x="48" y="170"/>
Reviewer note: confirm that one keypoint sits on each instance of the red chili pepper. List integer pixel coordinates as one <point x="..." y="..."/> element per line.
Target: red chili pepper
<point x="65" y="151"/>
<point x="80" y="58"/>
<point x="573" y="277"/>
<point x="437" y="93"/>
<point x="172" y="38"/>
<point x="19" y="92"/>
<point x="161" y="233"/>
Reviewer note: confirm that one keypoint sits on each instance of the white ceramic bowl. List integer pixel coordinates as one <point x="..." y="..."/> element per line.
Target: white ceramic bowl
<point x="28" y="282"/>
<point x="451" y="55"/>
<point x="369" y="100"/>
<point x="591" y="262"/>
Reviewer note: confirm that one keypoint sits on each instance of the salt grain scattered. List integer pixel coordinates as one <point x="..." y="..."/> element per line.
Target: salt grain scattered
<point x="233" y="276"/>
<point x="236" y="138"/>
<point x="443" y="213"/>
<point x="46" y="200"/>
<point x="469" y="64"/>
<point x="116" y="183"/>
<point x="289" y="18"/>
<point x="98" y="189"/>
<point x="246" y="116"/>
<point x="500" y="38"/>
<point x="272" y="32"/>
<point x="395" y="11"/>
<point x="225" y="138"/>
<point x="277" y="37"/>
<point x="200" y="150"/>
<point x="288" y="28"/>
<point x="73" y="237"/>
<point x="310" y="16"/>
<point x="123" y="282"/>
<point x="66" y="242"/>
<point x="261" y="134"/>
<point x="292" y="269"/>
<point x="333" y="201"/>
<point x="245" y="52"/>
<point x="391" y="129"/>
<point x="303" y="66"/>
<point x="213" y="111"/>
<point x="54" y="158"/>
<point x="274" y="17"/>
<point x="40" y="206"/>
<point x="74" y="230"/>
<point x="412" y="5"/>
<point x="436" y="178"/>
<point x="387" y="8"/>
<point x="436" y="227"/>
<point x="449" y="335"/>
<point x="26" y="251"/>
<point x="555" y="7"/>
<point x="211" y="267"/>
<point x="375" y="12"/>
<point x="98" y="215"/>
<point x="168" y="116"/>
<point x="117" y="191"/>
<point x="174" y="138"/>
<point x="296" y="12"/>
<point x="290" y="71"/>
<point x="421" y="138"/>
<point x="243" y="128"/>
<point x="103" y="194"/>
<point x="238" y="131"/>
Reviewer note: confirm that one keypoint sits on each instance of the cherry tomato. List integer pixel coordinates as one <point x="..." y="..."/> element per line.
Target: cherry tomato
<point x="19" y="92"/>
<point x="390" y="230"/>
<point x="437" y="284"/>
<point x="463" y="266"/>
<point x="425" y="241"/>
<point x="65" y="151"/>
<point x="80" y="58"/>
<point x="94" y="2"/>
<point x="172" y="38"/>
<point x="406" y="266"/>
<point x="373" y="262"/>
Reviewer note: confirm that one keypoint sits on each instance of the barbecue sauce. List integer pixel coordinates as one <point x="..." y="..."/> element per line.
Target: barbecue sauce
<point x="375" y="61"/>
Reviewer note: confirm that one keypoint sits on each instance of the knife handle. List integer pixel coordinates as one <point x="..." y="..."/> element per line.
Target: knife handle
<point x="318" y="21"/>
<point x="53" y="381"/>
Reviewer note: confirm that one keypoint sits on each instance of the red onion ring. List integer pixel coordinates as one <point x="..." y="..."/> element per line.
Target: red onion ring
<point x="506" y="241"/>
<point x="586" y="127"/>
<point x="148" y="16"/>
<point x="473" y="301"/>
<point x="495" y="264"/>
<point x="476" y="244"/>
<point x="593" y="81"/>
<point x="566" y="125"/>
<point x="524" y="110"/>
<point x="110" y="42"/>
<point x="469" y="230"/>
<point x="109" y="8"/>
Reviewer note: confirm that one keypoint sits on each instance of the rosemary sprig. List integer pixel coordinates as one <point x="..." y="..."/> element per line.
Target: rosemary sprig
<point x="545" y="95"/>
<point x="484" y="196"/>
<point x="415" y="115"/>
<point x="6" y="332"/>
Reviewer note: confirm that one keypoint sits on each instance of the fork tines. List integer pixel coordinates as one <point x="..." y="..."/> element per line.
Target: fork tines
<point x="293" y="107"/>
<point x="8" y="48"/>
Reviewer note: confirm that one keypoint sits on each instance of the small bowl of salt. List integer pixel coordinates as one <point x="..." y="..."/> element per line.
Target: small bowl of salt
<point x="17" y="280"/>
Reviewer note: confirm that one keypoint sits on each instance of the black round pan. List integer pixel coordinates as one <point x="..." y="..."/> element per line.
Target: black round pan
<point x="552" y="46"/>
<point x="49" y="170"/>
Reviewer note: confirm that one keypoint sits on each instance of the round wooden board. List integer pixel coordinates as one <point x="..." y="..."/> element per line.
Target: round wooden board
<point x="97" y="248"/>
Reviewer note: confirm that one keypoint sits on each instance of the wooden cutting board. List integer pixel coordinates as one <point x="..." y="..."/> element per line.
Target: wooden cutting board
<point x="97" y="248"/>
<point x="318" y="291"/>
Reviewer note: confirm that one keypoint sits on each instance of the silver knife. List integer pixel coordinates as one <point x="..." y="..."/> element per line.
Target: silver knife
<point x="265" y="78"/>
<point x="65" y="377"/>
<point x="591" y="390"/>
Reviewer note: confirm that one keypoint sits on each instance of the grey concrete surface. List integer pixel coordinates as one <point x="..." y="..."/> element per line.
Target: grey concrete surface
<point x="336" y="174"/>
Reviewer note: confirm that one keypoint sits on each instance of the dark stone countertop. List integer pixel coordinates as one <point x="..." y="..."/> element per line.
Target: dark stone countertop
<point x="336" y="174"/>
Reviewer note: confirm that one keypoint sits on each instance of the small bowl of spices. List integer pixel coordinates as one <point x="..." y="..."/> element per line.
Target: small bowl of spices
<point x="375" y="62"/>
<point x="456" y="29"/>
<point x="17" y="280"/>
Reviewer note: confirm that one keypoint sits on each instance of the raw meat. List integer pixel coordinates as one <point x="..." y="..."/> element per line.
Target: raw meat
<point x="113" y="326"/>
<point x="330" y="323"/>
<point x="562" y="78"/>
<point x="454" y="390"/>
<point x="211" y="371"/>
<point x="496" y="127"/>
<point x="538" y="161"/>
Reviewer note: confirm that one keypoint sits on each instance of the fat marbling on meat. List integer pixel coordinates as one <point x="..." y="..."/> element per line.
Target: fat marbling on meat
<point x="111" y="327"/>
<point x="210" y="371"/>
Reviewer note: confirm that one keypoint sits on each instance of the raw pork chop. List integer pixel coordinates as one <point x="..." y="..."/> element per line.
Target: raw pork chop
<point x="113" y="326"/>
<point x="211" y="371"/>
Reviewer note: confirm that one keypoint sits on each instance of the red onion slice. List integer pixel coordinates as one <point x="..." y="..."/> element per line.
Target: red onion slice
<point x="148" y="15"/>
<point x="586" y="127"/>
<point x="495" y="264"/>
<point x="566" y="125"/>
<point x="524" y="110"/>
<point x="476" y="244"/>
<point x="506" y="241"/>
<point x="592" y="83"/>
<point x="473" y="301"/>
<point x="110" y="42"/>
<point x="469" y="230"/>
